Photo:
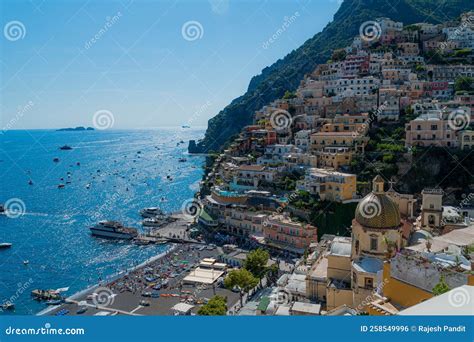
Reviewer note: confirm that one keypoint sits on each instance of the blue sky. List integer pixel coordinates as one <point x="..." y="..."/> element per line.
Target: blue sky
<point x="66" y="60"/>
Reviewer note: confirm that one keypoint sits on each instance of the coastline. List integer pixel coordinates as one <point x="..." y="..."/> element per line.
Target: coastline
<point x="171" y="248"/>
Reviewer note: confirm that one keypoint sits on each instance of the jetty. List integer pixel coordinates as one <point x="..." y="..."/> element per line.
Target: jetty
<point x="176" y="231"/>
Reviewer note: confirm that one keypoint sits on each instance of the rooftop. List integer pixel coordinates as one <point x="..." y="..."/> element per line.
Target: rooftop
<point x="306" y="308"/>
<point x="368" y="265"/>
<point x="445" y="304"/>
<point x="341" y="248"/>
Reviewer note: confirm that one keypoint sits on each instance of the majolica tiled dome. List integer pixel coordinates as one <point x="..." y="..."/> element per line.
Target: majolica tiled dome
<point x="377" y="210"/>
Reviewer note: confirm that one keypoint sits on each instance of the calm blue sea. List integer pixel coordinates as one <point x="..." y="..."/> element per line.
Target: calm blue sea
<point x="53" y="234"/>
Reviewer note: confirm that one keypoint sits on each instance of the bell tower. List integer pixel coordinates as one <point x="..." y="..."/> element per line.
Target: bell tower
<point x="432" y="208"/>
<point x="378" y="185"/>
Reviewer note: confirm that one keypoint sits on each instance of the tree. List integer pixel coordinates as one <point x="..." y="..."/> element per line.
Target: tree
<point x="216" y="306"/>
<point x="338" y="55"/>
<point x="256" y="262"/>
<point x="464" y="83"/>
<point x="441" y="287"/>
<point x="289" y="95"/>
<point x="242" y="279"/>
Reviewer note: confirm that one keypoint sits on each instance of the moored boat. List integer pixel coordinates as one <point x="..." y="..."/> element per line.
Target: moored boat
<point x="46" y="294"/>
<point x="153" y="222"/>
<point x="4" y="245"/>
<point x="8" y="306"/>
<point x="65" y="147"/>
<point x="151" y="212"/>
<point x="113" y="230"/>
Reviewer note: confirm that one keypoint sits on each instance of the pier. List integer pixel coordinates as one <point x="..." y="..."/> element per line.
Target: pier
<point x="173" y="232"/>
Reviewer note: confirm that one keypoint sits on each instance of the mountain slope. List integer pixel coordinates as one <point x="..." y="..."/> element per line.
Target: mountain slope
<point x="286" y="73"/>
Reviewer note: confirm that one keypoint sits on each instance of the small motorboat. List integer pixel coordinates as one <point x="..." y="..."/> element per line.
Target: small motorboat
<point x="182" y="160"/>
<point x="151" y="212"/>
<point x="46" y="295"/>
<point x="82" y="310"/>
<point x="8" y="306"/>
<point x="30" y="182"/>
<point x="60" y="186"/>
<point x="26" y="262"/>
<point x="54" y="302"/>
<point x="56" y="159"/>
<point x="2" y="209"/>
<point x="78" y="163"/>
<point x="65" y="148"/>
<point x="4" y="245"/>
<point x="153" y="222"/>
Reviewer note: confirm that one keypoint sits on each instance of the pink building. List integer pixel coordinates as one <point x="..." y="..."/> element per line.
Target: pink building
<point x="283" y="233"/>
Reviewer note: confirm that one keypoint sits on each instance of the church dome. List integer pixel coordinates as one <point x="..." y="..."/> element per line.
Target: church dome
<point x="377" y="210"/>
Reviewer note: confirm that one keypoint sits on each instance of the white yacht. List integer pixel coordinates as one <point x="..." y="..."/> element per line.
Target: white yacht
<point x="5" y="245"/>
<point x="151" y="212"/>
<point x="153" y="222"/>
<point x="113" y="230"/>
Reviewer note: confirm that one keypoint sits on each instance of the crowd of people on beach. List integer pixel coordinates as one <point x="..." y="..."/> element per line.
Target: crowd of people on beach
<point x="163" y="273"/>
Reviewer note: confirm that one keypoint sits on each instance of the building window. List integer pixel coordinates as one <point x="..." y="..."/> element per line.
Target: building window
<point x="431" y="220"/>
<point x="368" y="283"/>
<point x="373" y="243"/>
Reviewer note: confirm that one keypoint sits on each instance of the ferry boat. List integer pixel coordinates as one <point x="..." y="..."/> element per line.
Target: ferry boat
<point x="151" y="212"/>
<point x="113" y="230"/>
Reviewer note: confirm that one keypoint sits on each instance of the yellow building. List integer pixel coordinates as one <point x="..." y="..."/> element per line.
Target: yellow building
<point x="329" y="185"/>
<point x="334" y="157"/>
<point x="354" y="141"/>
